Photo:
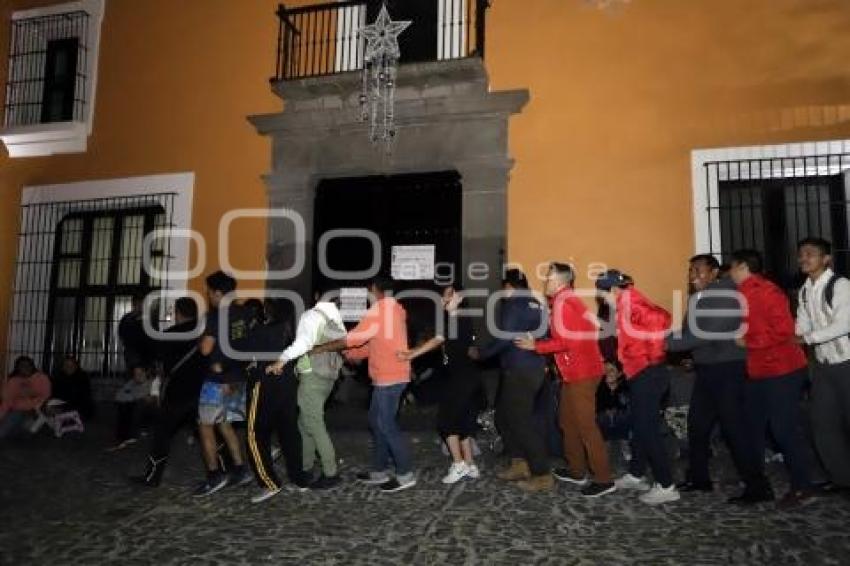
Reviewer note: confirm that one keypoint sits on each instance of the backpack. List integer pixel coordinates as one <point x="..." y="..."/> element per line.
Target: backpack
<point x="828" y="292"/>
<point x="328" y="363"/>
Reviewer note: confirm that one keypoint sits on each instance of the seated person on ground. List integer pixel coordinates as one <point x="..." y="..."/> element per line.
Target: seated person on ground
<point x="132" y="402"/>
<point x="26" y="390"/>
<point x="72" y="385"/>
<point x="612" y="404"/>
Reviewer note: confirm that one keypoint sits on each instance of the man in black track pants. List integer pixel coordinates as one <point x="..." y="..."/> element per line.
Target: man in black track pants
<point x="272" y="406"/>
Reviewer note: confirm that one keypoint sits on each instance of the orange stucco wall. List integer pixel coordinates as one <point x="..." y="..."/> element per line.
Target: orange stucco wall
<point x="618" y="100"/>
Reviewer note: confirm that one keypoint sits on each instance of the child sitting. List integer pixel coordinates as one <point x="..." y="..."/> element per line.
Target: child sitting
<point x="612" y="407"/>
<point x="131" y="402"/>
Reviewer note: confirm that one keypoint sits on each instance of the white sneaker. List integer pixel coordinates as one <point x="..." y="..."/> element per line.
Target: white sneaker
<point x="629" y="481"/>
<point x="263" y="494"/>
<point x="658" y="495"/>
<point x="472" y="472"/>
<point x="457" y="471"/>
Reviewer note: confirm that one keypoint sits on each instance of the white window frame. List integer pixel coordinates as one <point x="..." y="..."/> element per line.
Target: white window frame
<point x="181" y="184"/>
<point x="707" y="188"/>
<point x="38" y="140"/>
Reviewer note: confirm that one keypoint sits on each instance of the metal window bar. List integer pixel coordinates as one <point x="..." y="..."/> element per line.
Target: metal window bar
<point x="28" y="51"/>
<point x="323" y="39"/>
<point x="770" y="204"/>
<point x="79" y="263"/>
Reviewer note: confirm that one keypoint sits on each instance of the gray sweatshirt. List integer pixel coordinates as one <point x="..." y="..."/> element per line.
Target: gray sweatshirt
<point x="701" y="335"/>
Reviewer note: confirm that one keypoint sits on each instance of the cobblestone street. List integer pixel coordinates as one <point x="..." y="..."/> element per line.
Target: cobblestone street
<point x="68" y="502"/>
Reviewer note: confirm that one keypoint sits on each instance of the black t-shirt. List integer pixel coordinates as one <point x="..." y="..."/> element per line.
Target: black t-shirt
<point x="223" y="366"/>
<point x="458" y="333"/>
<point x="269" y="338"/>
<point x="138" y="348"/>
<point x="75" y="390"/>
<point x="188" y="375"/>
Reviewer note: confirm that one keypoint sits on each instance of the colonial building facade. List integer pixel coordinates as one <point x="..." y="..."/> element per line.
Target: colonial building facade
<point x="146" y="146"/>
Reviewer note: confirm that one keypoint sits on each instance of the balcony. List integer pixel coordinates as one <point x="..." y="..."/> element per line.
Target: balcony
<point x="322" y="40"/>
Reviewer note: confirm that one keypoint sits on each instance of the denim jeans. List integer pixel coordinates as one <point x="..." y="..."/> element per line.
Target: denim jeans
<point x="773" y="405"/>
<point x="648" y="389"/>
<point x="830" y="412"/>
<point x="12" y="423"/>
<point x="718" y="397"/>
<point x="390" y="443"/>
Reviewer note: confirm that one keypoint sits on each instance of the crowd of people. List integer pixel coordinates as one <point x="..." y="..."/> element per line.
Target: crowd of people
<point x="748" y="352"/>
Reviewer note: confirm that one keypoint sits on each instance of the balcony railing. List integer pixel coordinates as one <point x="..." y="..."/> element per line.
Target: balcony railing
<point x="323" y="39"/>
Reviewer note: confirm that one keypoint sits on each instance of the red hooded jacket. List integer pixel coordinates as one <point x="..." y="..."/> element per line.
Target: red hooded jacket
<point x="770" y="338"/>
<point x="641" y="329"/>
<point x="573" y="339"/>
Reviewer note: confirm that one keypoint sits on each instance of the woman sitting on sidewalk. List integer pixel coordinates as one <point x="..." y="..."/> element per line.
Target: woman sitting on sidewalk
<point x="25" y="391"/>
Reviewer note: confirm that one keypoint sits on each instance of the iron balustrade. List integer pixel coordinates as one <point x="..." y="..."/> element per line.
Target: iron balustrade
<point x="323" y="39"/>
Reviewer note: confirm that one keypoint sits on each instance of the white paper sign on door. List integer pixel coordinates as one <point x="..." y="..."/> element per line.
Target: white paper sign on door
<point x="353" y="303"/>
<point x="413" y="263"/>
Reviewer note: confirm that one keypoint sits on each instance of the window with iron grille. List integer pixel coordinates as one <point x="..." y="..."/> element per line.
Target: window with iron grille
<point x="47" y="70"/>
<point x="80" y="263"/>
<point x="771" y="204"/>
<point x="48" y="105"/>
<point x="97" y="270"/>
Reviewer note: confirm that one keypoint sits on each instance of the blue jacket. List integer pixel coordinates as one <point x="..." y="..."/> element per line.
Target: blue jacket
<point x="519" y="315"/>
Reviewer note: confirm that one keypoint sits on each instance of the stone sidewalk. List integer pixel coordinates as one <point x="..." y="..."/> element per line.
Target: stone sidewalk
<point x="68" y="502"/>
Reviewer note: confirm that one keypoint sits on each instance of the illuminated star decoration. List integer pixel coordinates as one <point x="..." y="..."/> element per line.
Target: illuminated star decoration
<point x="377" y="100"/>
<point x="382" y="36"/>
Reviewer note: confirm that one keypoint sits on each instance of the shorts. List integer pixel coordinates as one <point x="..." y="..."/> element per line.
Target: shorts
<point x="214" y="407"/>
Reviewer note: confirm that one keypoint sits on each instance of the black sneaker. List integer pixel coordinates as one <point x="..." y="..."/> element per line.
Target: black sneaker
<point x="829" y="488"/>
<point x="373" y="478"/>
<point x="216" y="482"/>
<point x="749" y="497"/>
<point x="564" y="475"/>
<point x="598" y="489"/>
<point x="394" y="485"/>
<point x="153" y="473"/>
<point x="326" y="482"/>
<point x="240" y="477"/>
<point x="689" y="486"/>
<point x="797" y="498"/>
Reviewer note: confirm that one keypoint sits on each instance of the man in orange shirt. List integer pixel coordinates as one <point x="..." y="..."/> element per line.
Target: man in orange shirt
<point x="378" y="337"/>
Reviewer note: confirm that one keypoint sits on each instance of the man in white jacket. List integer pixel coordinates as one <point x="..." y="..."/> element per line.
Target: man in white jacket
<point x="317" y="373"/>
<point x="823" y="321"/>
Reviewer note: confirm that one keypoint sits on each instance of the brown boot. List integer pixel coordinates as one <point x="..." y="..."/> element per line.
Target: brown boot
<point x="517" y="471"/>
<point x="543" y="482"/>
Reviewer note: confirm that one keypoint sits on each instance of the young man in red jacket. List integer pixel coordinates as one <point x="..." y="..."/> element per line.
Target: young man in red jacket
<point x="641" y="330"/>
<point x="776" y="368"/>
<point x="574" y="343"/>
